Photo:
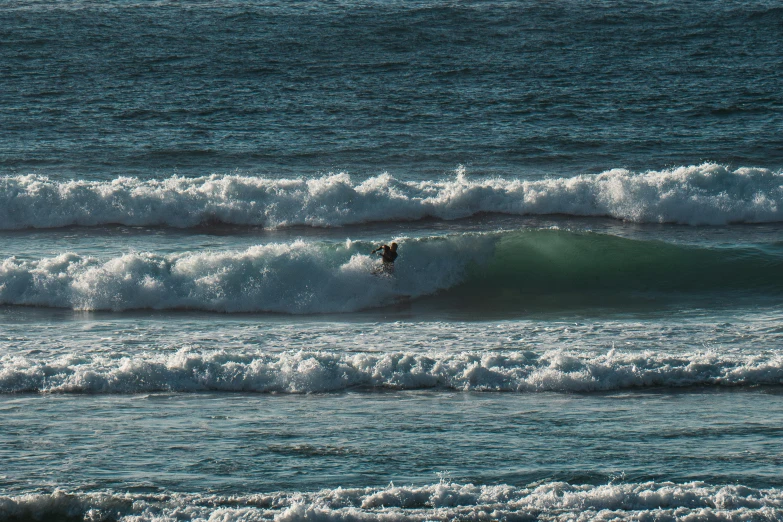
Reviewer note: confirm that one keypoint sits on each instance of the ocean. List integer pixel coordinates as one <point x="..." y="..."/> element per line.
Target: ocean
<point x="584" y="322"/>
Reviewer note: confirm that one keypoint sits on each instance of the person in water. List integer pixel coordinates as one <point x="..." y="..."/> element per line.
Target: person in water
<point x="388" y="255"/>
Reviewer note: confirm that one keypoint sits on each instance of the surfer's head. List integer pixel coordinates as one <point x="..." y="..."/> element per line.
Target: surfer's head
<point x="394" y="247"/>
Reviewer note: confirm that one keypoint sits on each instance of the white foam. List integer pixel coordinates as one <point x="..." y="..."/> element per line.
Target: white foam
<point x="443" y="501"/>
<point x="703" y="194"/>
<point x="298" y="277"/>
<point x="190" y="370"/>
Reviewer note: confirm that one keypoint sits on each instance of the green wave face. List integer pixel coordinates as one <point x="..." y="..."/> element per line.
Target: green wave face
<point x="561" y="268"/>
<point x="469" y="271"/>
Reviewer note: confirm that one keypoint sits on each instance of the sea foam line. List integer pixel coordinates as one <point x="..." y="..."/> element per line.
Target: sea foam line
<point x="704" y="194"/>
<point x="322" y="371"/>
<point x="442" y="501"/>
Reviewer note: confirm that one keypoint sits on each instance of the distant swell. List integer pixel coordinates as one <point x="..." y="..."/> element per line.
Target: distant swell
<point x="313" y="372"/>
<point x="705" y="194"/>
<point x="444" y="501"/>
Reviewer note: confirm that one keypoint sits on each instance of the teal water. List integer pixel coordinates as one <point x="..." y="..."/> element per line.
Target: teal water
<point x="101" y="89"/>
<point x="584" y="321"/>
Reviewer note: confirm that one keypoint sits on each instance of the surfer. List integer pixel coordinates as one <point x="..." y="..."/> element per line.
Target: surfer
<point x="388" y="255"/>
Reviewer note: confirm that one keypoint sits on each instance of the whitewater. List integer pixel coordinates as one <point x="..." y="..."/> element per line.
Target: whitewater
<point x="190" y="370"/>
<point x="440" y="501"/>
<point x="305" y="277"/>
<point x="708" y="194"/>
<point x="585" y="320"/>
<point x="511" y="367"/>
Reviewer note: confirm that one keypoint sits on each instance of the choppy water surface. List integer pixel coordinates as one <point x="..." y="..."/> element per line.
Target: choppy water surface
<point x="100" y="89"/>
<point x="584" y="321"/>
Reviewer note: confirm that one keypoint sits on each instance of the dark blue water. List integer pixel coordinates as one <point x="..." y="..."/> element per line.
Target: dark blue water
<point x="100" y="89"/>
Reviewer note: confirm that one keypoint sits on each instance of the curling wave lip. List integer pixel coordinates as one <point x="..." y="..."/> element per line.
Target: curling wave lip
<point x="466" y="270"/>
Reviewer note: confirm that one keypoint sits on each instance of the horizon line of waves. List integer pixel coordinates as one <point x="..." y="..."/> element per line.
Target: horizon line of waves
<point x="707" y="194"/>
<point x="468" y="270"/>
<point x="304" y="372"/>
<point x="441" y="501"/>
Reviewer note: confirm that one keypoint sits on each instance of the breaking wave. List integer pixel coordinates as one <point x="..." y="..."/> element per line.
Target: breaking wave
<point x="556" y="501"/>
<point x="188" y="370"/>
<point x="462" y="269"/>
<point x="298" y="277"/>
<point x="697" y="195"/>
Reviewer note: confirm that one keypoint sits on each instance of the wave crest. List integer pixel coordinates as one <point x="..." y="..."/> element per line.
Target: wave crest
<point x="697" y="195"/>
<point x="442" y="501"/>
<point x="313" y="372"/>
<point x="468" y="270"/>
<point x="298" y="277"/>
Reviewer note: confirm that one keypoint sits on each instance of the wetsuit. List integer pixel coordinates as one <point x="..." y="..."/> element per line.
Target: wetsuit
<point x="388" y="256"/>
